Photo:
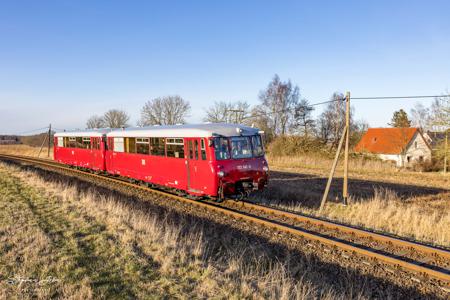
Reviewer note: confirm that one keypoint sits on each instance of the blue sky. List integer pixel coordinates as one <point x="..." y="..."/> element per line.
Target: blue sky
<point x="62" y="61"/>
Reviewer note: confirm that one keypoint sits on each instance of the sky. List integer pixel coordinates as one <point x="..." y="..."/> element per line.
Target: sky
<point x="63" y="61"/>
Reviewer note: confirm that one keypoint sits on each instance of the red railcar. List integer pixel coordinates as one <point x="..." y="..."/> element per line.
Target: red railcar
<point x="84" y="149"/>
<point x="213" y="160"/>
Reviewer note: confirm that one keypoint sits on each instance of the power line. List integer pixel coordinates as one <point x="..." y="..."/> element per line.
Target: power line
<point x="33" y="130"/>
<point x="325" y="102"/>
<point x="397" y="97"/>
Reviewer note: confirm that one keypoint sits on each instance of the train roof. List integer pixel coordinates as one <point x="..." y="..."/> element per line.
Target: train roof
<point x="84" y="133"/>
<point x="186" y="130"/>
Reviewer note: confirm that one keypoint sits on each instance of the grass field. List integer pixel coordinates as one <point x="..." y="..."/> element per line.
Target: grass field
<point x="359" y="168"/>
<point x="22" y="149"/>
<point x="58" y="241"/>
<point x="383" y="198"/>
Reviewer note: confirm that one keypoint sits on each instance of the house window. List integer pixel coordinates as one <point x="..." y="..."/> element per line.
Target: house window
<point x="415" y="145"/>
<point x="142" y="145"/>
<point x="175" y="148"/>
<point x="421" y="158"/>
<point x="408" y="158"/>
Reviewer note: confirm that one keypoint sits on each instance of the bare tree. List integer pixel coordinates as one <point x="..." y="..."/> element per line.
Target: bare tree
<point x="440" y="112"/>
<point x="420" y="117"/>
<point x="95" y="122"/>
<point x="331" y="122"/>
<point x="115" y="118"/>
<point x="169" y="110"/>
<point x="237" y="112"/>
<point x="278" y="101"/>
<point x="303" y="119"/>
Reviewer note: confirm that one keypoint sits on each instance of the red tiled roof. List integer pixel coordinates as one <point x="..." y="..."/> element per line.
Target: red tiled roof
<point x="386" y="140"/>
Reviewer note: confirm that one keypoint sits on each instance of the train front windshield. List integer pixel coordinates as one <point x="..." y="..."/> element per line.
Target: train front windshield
<point x="238" y="147"/>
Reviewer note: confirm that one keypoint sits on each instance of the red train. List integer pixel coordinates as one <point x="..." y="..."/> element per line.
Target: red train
<point x="206" y="160"/>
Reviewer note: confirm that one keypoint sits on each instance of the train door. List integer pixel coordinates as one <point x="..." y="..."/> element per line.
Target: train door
<point x="197" y="165"/>
<point x="96" y="153"/>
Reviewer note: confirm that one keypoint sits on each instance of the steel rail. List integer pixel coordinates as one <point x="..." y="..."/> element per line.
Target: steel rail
<point x="410" y="266"/>
<point x="349" y="229"/>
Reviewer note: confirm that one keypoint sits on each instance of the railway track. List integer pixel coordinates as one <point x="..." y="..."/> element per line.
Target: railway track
<point x="422" y="261"/>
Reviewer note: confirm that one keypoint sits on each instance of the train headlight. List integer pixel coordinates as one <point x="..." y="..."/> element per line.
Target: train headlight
<point x="221" y="173"/>
<point x="266" y="169"/>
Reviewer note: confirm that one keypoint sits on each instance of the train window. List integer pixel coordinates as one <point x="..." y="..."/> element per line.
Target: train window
<point x="175" y="147"/>
<point x="143" y="145"/>
<point x="96" y="143"/>
<point x="79" y="142"/>
<point x="203" y="149"/>
<point x="60" y="141"/>
<point x="258" y="149"/>
<point x="221" y="149"/>
<point x="191" y="150"/>
<point x="72" y="142"/>
<point x="118" y="144"/>
<point x="241" y="147"/>
<point x="157" y="146"/>
<point x="196" y="149"/>
<point x="86" y="143"/>
<point x="130" y="145"/>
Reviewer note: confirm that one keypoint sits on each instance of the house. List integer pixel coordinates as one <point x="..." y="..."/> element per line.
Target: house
<point x="404" y="146"/>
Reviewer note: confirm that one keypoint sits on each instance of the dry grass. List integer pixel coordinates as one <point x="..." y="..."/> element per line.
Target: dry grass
<point x="83" y="245"/>
<point x="386" y="212"/>
<point x="409" y="204"/>
<point x="25" y="150"/>
<point x="359" y="168"/>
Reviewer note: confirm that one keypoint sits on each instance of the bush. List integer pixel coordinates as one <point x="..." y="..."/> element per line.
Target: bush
<point x="433" y="165"/>
<point x="295" y="145"/>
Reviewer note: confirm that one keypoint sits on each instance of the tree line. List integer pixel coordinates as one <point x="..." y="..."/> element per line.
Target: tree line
<point x="281" y="111"/>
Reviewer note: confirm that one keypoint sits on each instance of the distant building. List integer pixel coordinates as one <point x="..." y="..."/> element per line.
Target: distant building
<point x="9" y="139"/>
<point x="404" y="146"/>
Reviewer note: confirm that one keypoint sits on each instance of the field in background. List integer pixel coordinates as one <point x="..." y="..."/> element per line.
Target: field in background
<point x="27" y="150"/>
<point x="360" y="168"/>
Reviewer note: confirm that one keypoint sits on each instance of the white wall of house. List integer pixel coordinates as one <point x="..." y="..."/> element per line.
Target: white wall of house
<point x="417" y="151"/>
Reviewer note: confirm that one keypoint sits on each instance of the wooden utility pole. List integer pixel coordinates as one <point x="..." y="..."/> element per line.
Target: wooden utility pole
<point x="446" y="151"/>
<point x="347" y="139"/>
<point x="49" y="139"/>
<point x="42" y="145"/>
<point x="333" y="168"/>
